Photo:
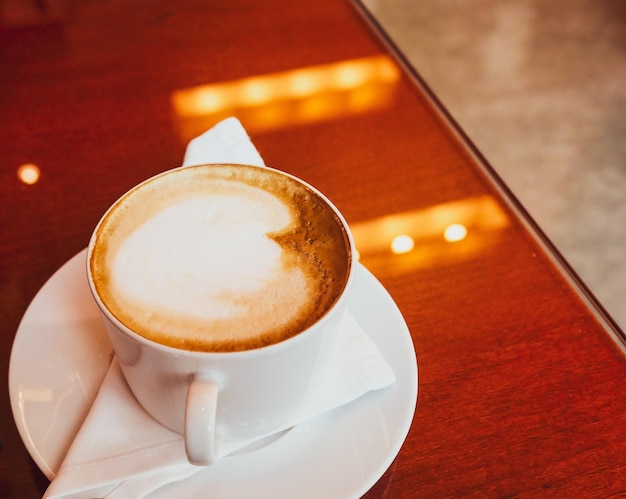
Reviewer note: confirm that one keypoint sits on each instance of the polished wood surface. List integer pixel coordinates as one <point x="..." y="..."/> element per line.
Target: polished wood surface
<point x="521" y="379"/>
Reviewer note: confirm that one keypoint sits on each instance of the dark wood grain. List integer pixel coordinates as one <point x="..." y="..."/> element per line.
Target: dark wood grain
<point x="521" y="385"/>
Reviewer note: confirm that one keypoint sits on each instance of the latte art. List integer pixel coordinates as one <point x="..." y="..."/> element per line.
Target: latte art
<point x="220" y="258"/>
<point x="174" y="262"/>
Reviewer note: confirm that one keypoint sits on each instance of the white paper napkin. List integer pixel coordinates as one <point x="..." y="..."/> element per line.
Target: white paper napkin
<point x="121" y="452"/>
<point x="226" y="142"/>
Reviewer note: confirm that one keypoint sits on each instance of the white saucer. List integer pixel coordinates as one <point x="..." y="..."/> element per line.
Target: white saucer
<point x="61" y="354"/>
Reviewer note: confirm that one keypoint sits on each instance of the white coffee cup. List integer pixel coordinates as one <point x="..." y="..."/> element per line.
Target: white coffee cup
<point x="241" y="387"/>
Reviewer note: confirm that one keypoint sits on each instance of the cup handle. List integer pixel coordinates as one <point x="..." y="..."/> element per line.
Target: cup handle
<point x="200" y="412"/>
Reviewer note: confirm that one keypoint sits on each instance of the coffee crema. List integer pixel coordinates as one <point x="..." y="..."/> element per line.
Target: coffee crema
<point x="220" y="258"/>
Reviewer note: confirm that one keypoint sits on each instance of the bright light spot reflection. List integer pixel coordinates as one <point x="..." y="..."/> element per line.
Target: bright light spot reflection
<point x="256" y="91"/>
<point x="455" y="233"/>
<point x="29" y="173"/>
<point x="402" y="244"/>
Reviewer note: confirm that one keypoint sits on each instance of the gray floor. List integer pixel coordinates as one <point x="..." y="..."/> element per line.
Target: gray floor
<point x="540" y="87"/>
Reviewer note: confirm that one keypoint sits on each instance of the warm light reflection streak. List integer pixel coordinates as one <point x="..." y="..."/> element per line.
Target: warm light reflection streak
<point x="415" y="239"/>
<point x="290" y="97"/>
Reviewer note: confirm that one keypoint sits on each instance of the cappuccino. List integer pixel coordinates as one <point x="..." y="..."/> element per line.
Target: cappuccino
<point x="220" y="258"/>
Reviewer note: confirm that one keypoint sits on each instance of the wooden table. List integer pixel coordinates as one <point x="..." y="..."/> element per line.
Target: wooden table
<point x="521" y="373"/>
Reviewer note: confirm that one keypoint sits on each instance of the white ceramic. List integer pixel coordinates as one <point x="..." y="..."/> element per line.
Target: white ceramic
<point x="61" y="354"/>
<point x="213" y="397"/>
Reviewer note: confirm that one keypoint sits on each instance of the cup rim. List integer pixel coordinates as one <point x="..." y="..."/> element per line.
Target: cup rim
<point x="336" y="307"/>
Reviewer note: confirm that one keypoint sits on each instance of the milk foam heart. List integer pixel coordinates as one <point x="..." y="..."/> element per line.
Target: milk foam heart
<point x="173" y="260"/>
<point x="220" y="258"/>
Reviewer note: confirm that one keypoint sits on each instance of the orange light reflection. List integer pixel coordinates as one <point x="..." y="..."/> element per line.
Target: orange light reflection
<point x="288" y="98"/>
<point x="29" y="173"/>
<point x="441" y="234"/>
